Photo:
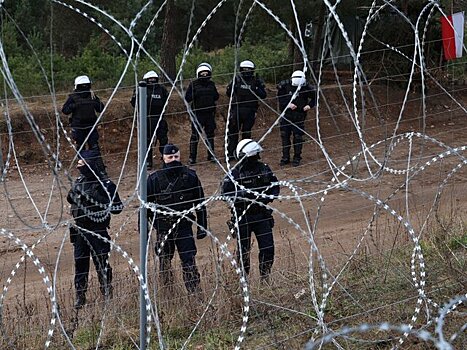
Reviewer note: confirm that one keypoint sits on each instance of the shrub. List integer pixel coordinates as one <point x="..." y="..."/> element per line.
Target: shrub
<point x="271" y="61"/>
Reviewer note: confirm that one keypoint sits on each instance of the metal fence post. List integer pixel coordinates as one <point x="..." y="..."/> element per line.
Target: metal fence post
<point x="143" y="219"/>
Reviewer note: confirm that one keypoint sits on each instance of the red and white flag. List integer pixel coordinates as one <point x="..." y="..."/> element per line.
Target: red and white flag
<point x="452" y="30"/>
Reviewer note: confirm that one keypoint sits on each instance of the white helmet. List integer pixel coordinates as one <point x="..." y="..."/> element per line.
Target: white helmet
<point x="150" y="74"/>
<point x="203" y="67"/>
<point x="82" y="79"/>
<point x="248" y="148"/>
<point x="247" y="64"/>
<point x="298" y="78"/>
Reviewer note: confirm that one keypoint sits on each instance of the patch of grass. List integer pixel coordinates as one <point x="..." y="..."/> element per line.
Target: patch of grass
<point x="458" y="242"/>
<point x="374" y="288"/>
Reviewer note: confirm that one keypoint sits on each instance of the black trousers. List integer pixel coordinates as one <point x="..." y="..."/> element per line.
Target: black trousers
<point x="181" y="239"/>
<point x="86" y="246"/>
<point x="79" y="135"/>
<point x="208" y="122"/>
<point x="261" y="225"/>
<point x="161" y="135"/>
<point x="293" y="128"/>
<point x="243" y="119"/>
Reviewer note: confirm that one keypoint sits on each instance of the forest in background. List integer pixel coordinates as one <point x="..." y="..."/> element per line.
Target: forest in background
<point x="37" y="33"/>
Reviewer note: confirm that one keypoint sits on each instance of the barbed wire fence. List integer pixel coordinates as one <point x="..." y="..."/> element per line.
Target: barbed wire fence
<point x="369" y="233"/>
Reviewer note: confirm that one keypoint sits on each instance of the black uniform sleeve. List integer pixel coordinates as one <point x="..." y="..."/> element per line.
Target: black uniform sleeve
<point x="312" y="96"/>
<point x="229" y="88"/>
<point x="260" y="88"/>
<point x="282" y="95"/>
<point x="69" y="106"/>
<point x="189" y="93"/>
<point x="274" y="190"/>
<point x="230" y="190"/>
<point x="99" y="106"/>
<point x="117" y="205"/>
<point x="151" y="192"/>
<point x="165" y="93"/>
<point x="133" y="98"/>
<point x="216" y="93"/>
<point x="70" y="196"/>
<point x="201" y="213"/>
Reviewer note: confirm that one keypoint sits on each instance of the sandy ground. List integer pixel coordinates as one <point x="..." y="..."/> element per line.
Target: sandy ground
<point x="33" y="196"/>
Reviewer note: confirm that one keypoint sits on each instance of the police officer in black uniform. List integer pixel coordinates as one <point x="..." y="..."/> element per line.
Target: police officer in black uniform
<point x="92" y="203"/>
<point x="247" y="88"/>
<point x="175" y="188"/>
<point x="202" y="94"/>
<point x="295" y="114"/>
<point x="83" y="104"/>
<point x="256" y="176"/>
<point x="156" y="98"/>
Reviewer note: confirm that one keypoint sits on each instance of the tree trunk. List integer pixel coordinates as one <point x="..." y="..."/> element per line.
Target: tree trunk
<point x="291" y="47"/>
<point x="318" y="34"/>
<point x="405" y="7"/>
<point x="169" y="45"/>
<point x="298" y="57"/>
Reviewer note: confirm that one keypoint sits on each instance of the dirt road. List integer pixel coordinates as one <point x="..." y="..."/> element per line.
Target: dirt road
<point x="335" y="222"/>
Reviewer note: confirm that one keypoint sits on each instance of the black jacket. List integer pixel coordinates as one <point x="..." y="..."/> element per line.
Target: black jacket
<point x="306" y="96"/>
<point x="247" y="91"/>
<point x="82" y="105"/>
<point x="255" y="176"/>
<point x="156" y="98"/>
<point x="91" y="204"/>
<point x="178" y="189"/>
<point x="202" y="94"/>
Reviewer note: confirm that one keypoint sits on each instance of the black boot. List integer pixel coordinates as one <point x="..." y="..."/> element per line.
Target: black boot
<point x="297" y="149"/>
<point x="193" y="149"/>
<point x="80" y="300"/>
<point x="192" y="279"/>
<point x="104" y="275"/>
<point x="265" y="271"/>
<point x="166" y="272"/>
<point x="107" y="292"/>
<point x="211" y="157"/>
<point x="285" y="138"/>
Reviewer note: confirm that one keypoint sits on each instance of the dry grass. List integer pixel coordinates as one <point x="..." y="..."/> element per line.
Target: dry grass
<point x="374" y="288"/>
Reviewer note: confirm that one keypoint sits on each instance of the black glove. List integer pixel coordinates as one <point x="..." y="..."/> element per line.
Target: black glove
<point x="232" y="229"/>
<point x="201" y="233"/>
<point x="157" y="246"/>
<point x="73" y="234"/>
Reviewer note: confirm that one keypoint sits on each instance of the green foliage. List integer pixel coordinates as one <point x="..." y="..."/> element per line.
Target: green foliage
<point x="458" y="242"/>
<point x="80" y="47"/>
<point x="264" y="56"/>
<point x="104" y="68"/>
<point x="25" y="71"/>
<point x="457" y="69"/>
<point x="9" y="38"/>
<point x="211" y="339"/>
<point x="101" y="66"/>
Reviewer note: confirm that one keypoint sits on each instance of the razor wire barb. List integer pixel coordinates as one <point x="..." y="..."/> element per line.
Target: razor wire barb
<point x="370" y="162"/>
